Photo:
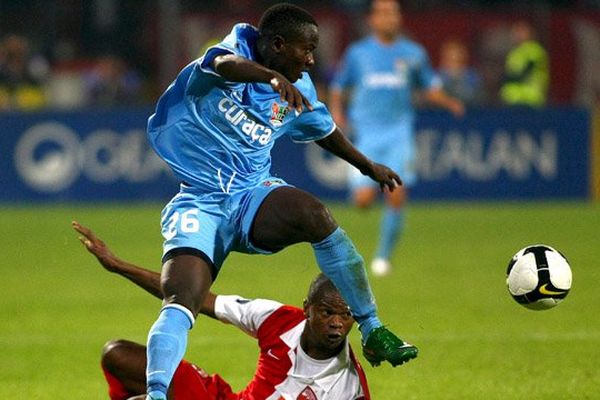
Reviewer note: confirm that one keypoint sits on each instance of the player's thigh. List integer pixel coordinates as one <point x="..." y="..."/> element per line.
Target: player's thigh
<point x="289" y="215"/>
<point x="191" y="252"/>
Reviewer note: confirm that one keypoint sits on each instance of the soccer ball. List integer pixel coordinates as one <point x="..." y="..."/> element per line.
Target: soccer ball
<point x="538" y="277"/>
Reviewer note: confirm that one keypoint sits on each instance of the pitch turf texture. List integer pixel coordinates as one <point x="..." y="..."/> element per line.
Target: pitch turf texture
<point x="447" y="295"/>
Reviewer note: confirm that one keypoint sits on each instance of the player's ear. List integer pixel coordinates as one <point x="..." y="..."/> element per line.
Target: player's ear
<point x="277" y="43"/>
<point x="305" y="307"/>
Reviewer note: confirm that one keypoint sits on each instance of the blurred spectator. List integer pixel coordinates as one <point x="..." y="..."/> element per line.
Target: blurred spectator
<point x="111" y="82"/>
<point x="526" y="71"/>
<point x="21" y="75"/>
<point x="458" y="78"/>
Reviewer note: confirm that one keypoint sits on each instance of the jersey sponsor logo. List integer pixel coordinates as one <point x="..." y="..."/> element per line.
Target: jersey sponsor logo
<point x="402" y="68"/>
<point x="278" y="113"/>
<point x="239" y="118"/>
<point x="307" y="394"/>
<point x="387" y="80"/>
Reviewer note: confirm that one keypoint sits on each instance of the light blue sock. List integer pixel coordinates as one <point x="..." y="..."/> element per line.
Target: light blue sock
<point x="392" y="226"/>
<point x="167" y="341"/>
<point x="338" y="259"/>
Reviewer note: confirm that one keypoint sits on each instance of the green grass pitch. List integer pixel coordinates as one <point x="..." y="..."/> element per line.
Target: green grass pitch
<point x="447" y="295"/>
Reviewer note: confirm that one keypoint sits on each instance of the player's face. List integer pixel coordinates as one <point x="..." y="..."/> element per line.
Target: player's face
<point x="385" y="18"/>
<point x="297" y="55"/>
<point x="329" y="321"/>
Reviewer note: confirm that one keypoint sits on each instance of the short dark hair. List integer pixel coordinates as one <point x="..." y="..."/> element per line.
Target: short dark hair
<point x="319" y="287"/>
<point x="286" y="20"/>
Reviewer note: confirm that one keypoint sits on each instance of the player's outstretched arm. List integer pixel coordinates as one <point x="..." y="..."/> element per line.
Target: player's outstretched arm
<point x="336" y="105"/>
<point x="338" y="144"/>
<point x="235" y="68"/>
<point x="144" y="278"/>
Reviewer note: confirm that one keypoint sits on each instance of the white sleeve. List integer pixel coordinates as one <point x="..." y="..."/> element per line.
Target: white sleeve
<point x="248" y="315"/>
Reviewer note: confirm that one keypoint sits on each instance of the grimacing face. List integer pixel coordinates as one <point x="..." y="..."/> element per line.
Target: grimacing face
<point x="297" y="54"/>
<point x="329" y="320"/>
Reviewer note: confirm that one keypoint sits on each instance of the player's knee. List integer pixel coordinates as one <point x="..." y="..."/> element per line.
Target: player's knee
<point x="317" y="221"/>
<point x="188" y="299"/>
<point x="364" y="198"/>
<point x="362" y="203"/>
<point x="113" y="353"/>
<point x="395" y="203"/>
<point x="397" y="198"/>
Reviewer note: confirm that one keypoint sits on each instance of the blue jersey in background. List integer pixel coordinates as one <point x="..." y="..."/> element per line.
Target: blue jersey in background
<point x="380" y="79"/>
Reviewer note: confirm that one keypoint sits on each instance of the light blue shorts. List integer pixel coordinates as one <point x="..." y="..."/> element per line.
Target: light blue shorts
<point x="215" y="223"/>
<point x="395" y="150"/>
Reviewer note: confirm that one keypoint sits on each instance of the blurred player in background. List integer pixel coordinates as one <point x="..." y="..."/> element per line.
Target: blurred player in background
<point x="215" y="126"/>
<point x="377" y="79"/>
<point x="304" y="353"/>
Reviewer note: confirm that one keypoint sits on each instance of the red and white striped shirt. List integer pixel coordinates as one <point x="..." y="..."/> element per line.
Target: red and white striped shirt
<point x="284" y="371"/>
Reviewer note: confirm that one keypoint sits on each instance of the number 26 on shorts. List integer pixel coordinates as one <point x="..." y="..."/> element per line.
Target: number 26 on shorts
<point x="186" y="222"/>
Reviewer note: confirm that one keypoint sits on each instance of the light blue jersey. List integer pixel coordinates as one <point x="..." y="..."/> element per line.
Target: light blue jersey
<point x="381" y="80"/>
<point x="217" y="137"/>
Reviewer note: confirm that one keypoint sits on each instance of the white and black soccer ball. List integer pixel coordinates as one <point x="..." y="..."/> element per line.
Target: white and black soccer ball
<point x="538" y="277"/>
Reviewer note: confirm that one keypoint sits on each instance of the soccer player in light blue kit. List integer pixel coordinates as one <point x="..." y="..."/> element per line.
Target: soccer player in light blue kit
<point x="377" y="78"/>
<point x="215" y="126"/>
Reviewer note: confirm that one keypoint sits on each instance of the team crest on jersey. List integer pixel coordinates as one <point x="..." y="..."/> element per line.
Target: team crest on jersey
<point x="307" y="394"/>
<point x="278" y="113"/>
<point x="401" y="66"/>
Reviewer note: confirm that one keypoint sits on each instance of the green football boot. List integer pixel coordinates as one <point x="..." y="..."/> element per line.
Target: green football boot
<point x="383" y="345"/>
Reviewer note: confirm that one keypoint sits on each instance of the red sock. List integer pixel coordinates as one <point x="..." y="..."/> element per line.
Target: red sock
<point x="116" y="390"/>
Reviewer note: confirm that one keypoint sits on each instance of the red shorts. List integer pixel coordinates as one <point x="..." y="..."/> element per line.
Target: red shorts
<point x="193" y="383"/>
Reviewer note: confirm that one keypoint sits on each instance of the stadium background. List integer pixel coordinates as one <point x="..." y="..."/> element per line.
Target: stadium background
<point x="491" y="183"/>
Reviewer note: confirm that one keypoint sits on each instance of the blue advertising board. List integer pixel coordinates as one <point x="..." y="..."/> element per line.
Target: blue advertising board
<point x="489" y="154"/>
<point x="504" y="153"/>
<point x="80" y="156"/>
